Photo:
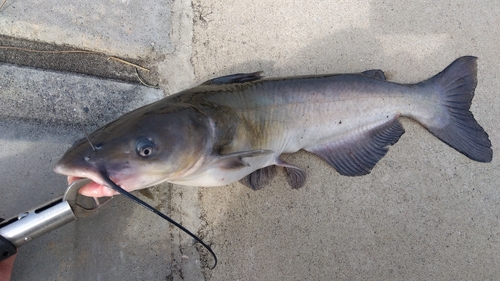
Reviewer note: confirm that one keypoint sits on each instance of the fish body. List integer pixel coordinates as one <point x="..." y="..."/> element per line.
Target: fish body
<point x="234" y="128"/>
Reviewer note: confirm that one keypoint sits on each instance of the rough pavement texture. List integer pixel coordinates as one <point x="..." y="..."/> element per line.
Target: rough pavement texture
<point x="114" y="27"/>
<point x="425" y="211"/>
<point x="59" y="59"/>
<point x="67" y="99"/>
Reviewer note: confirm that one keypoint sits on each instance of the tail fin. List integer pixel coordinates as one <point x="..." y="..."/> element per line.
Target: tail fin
<point x="455" y="86"/>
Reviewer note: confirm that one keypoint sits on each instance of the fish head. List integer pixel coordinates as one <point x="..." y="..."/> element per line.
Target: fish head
<point x="138" y="150"/>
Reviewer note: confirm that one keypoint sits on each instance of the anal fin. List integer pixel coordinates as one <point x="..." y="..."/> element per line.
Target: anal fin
<point x="357" y="153"/>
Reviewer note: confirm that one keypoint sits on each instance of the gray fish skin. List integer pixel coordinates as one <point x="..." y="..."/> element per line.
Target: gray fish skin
<point x="234" y="128"/>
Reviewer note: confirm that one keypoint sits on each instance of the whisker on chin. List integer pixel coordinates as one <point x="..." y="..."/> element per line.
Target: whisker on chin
<point x="87" y="135"/>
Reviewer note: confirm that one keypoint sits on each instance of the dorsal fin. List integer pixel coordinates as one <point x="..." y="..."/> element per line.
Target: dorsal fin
<point x="374" y="73"/>
<point x="234" y="78"/>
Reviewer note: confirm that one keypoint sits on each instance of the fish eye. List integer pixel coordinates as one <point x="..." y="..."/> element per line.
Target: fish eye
<point x="145" y="147"/>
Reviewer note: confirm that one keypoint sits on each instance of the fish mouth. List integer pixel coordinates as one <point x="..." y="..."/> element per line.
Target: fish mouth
<point x="93" y="188"/>
<point x="96" y="188"/>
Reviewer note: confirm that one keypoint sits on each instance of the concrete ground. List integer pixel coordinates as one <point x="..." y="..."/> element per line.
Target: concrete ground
<point x="425" y="212"/>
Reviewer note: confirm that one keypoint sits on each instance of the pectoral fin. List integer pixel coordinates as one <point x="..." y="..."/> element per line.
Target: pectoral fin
<point x="356" y="154"/>
<point x="235" y="160"/>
